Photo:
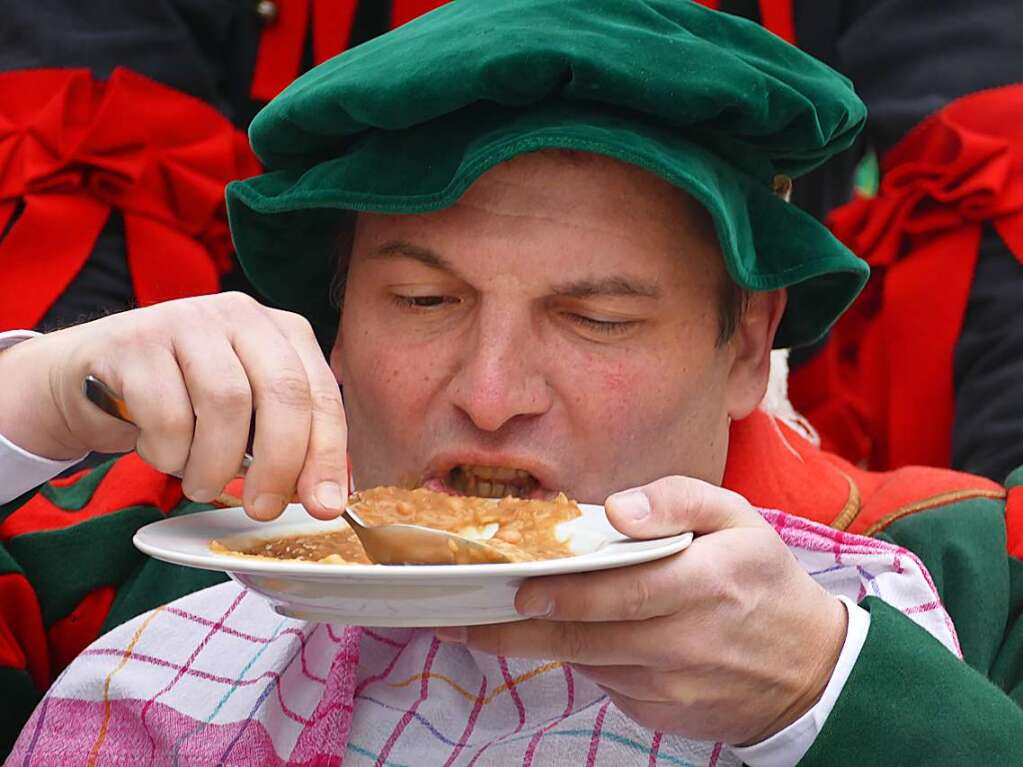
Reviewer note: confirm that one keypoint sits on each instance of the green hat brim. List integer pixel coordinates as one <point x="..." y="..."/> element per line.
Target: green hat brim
<point x="287" y="223"/>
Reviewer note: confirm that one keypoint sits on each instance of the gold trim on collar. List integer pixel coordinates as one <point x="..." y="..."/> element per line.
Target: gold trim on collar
<point x="852" y="506"/>
<point x="929" y="503"/>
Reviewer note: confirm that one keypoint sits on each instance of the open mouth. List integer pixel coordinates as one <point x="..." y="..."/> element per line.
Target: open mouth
<point x="487" y="482"/>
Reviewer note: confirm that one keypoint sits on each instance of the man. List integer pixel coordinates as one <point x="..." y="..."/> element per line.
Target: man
<point x="569" y="258"/>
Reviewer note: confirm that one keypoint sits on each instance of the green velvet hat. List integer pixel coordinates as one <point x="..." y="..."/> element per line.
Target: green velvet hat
<point x="405" y="123"/>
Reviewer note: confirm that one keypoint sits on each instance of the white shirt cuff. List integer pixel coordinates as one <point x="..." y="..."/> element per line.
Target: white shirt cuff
<point x="786" y="748"/>
<point x="20" y="470"/>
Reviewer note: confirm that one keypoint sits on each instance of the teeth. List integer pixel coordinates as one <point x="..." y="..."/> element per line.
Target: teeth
<point x="491" y="481"/>
<point x="500" y="473"/>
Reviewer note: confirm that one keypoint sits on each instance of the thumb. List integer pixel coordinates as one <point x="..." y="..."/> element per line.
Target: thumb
<point x="674" y="505"/>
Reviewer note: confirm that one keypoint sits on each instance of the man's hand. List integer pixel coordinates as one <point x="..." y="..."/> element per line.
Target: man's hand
<point x="728" y="640"/>
<point x="192" y="373"/>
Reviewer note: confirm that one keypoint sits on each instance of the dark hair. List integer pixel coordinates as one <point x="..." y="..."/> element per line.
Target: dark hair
<point x="732" y="305"/>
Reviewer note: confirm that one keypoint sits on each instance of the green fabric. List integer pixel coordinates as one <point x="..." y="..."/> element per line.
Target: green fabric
<point x="908" y="701"/>
<point x="1007" y="669"/>
<point x="18" y="699"/>
<point x="963" y="546"/>
<point x="406" y="122"/>
<point x="8" y="564"/>
<point x="66" y="565"/>
<point x="63" y="566"/>
<point x="154" y="583"/>
<point x="74" y="497"/>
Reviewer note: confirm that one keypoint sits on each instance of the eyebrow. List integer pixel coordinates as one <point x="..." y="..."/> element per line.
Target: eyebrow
<point x="607" y="286"/>
<point x="403" y="249"/>
<point x="585" y="288"/>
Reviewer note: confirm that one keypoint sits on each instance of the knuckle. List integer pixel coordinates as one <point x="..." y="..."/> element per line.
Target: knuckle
<point x="688" y="696"/>
<point x="327" y="403"/>
<point x="488" y="640"/>
<point x="235" y="300"/>
<point x="294" y="322"/>
<point x="161" y="459"/>
<point x="230" y="397"/>
<point x="324" y="464"/>
<point x="713" y="586"/>
<point x="290" y="389"/>
<point x="571" y="640"/>
<point x="662" y="687"/>
<point x="168" y="423"/>
<point x="681" y="488"/>
<point x="637" y="598"/>
<point x="676" y="490"/>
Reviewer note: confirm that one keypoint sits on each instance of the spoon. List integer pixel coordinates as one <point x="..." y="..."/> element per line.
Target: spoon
<point x="384" y="544"/>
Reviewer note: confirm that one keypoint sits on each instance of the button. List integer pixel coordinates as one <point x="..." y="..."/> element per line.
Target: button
<point x="782" y="186"/>
<point x="267" y="10"/>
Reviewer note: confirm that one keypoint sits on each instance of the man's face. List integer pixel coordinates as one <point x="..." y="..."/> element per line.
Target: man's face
<point x="557" y="329"/>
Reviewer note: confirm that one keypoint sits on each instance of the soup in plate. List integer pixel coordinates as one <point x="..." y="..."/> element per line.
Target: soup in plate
<point x="523" y="530"/>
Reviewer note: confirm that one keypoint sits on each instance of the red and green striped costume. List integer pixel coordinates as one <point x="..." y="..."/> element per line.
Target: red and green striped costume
<point x="69" y="572"/>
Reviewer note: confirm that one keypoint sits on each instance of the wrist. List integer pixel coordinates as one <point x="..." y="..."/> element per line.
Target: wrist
<point x="816" y="672"/>
<point x="29" y="414"/>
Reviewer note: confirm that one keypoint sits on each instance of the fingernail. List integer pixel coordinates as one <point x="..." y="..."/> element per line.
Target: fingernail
<point x="328" y="495"/>
<point x="633" y="503"/>
<point x="538" y="607"/>
<point x="268" y="505"/>
<point x="202" y="495"/>
<point x="453" y="634"/>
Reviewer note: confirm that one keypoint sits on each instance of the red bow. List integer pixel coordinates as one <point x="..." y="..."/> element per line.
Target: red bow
<point x="893" y="350"/>
<point x="959" y="168"/>
<point x="73" y="148"/>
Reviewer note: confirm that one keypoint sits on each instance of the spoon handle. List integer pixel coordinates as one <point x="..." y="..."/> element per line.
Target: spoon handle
<point x="111" y="403"/>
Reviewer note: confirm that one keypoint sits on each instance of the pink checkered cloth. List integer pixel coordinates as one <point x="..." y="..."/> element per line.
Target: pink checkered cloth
<point x="219" y="678"/>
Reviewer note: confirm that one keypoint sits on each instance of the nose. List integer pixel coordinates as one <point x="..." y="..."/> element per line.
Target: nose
<point x="500" y="376"/>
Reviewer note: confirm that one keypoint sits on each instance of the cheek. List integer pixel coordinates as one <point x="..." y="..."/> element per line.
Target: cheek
<point x="391" y="379"/>
<point x="612" y="395"/>
<point x="644" y="400"/>
<point x="398" y="380"/>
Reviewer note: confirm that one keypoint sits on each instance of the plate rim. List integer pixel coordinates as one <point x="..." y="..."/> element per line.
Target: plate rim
<point x="650" y="550"/>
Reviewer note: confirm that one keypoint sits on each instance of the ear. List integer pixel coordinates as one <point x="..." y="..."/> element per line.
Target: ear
<point x="751" y="352"/>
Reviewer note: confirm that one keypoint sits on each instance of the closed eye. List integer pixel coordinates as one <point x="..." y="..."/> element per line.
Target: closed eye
<point x="422" y="302"/>
<point x="607" y="327"/>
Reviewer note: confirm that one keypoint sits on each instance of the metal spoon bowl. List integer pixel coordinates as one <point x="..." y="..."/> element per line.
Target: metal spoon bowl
<point x="384" y="544"/>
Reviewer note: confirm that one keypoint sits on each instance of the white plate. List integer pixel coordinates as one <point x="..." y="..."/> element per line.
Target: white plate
<point x="377" y="595"/>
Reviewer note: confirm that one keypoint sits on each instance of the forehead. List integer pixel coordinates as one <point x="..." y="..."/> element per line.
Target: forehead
<point x="563" y="199"/>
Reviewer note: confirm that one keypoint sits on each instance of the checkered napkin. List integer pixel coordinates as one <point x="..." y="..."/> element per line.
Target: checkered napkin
<point x="219" y="678"/>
